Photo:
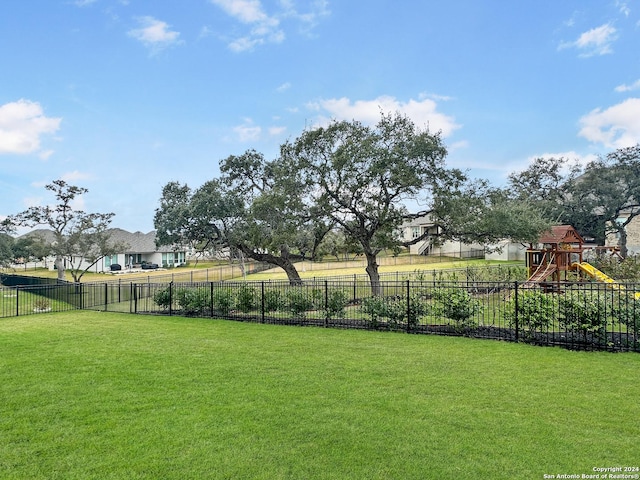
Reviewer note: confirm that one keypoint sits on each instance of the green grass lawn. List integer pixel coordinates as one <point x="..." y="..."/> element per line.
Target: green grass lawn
<point x="86" y="395"/>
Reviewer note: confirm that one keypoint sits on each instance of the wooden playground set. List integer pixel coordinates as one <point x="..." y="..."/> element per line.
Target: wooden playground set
<point x="559" y="252"/>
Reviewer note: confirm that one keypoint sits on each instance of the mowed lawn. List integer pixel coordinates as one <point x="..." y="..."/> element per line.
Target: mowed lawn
<point x="86" y="395"/>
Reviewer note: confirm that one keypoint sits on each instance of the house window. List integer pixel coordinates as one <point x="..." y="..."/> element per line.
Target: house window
<point x="110" y="260"/>
<point x="415" y="232"/>
<point x="171" y="259"/>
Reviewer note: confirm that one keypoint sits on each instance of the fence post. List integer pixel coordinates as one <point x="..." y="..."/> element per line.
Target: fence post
<point x="17" y="301"/>
<point x="326" y="303"/>
<point x="171" y="296"/>
<point x="210" y="296"/>
<point x="408" y="306"/>
<point x="135" y="298"/>
<point x="106" y="295"/>
<point x="354" y="287"/>
<point x="262" y="301"/>
<point x="516" y="310"/>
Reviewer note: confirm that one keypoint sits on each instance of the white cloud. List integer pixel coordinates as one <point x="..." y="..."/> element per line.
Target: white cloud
<point x="274" y="131"/>
<point x="284" y="87"/>
<point x="308" y="20"/>
<point x="627" y="88"/>
<point x="83" y="3"/>
<point x="596" y="41"/>
<point x="22" y="123"/>
<point x="247" y="11"/>
<point x="245" y="43"/>
<point x="247" y="132"/>
<point x="623" y="7"/>
<point x="45" y="154"/>
<point x="571" y="158"/>
<point x="423" y="112"/>
<point x="267" y="28"/>
<point x="616" y="127"/>
<point x="154" y="34"/>
<point x="250" y="12"/>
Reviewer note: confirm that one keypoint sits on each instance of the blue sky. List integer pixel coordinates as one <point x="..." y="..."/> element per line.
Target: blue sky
<point x="123" y="96"/>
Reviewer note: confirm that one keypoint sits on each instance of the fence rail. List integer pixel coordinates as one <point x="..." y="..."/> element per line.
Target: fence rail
<point x="576" y="315"/>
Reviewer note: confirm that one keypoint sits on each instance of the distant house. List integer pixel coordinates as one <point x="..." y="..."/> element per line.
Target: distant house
<point x="418" y="226"/>
<point x="421" y="225"/>
<point x="141" y="251"/>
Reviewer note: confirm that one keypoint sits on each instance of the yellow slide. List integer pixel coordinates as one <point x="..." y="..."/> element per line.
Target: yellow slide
<point x="600" y="277"/>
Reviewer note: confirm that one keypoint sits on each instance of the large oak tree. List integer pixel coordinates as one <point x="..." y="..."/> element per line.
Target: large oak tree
<point x="359" y="177"/>
<point x="256" y="207"/>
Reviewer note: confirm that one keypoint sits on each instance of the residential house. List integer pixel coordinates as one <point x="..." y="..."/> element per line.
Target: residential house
<point x="418" y="226"/>
<point x="140" y="252"/>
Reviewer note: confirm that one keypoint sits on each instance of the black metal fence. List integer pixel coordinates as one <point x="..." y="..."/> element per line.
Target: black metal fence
<point x="577" y="316"/>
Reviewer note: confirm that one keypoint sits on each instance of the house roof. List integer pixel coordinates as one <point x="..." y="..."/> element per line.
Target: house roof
<point x="561" y="234"/>
<point x="137" y="242"/>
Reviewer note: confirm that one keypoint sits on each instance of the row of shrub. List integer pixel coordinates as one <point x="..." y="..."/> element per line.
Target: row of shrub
<point x="245" y="298"/>
<point x="454" y="303"/>
<point x="583" y="311"/>
<point x="488" y="273"/>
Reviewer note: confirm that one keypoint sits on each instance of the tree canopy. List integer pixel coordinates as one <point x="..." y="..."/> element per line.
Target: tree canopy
<point x="358" y="177"/>
<point x="254" y="208"/>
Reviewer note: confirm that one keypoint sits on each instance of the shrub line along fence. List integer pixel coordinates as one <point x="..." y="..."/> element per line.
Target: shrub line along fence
<point x="589" y="316"/>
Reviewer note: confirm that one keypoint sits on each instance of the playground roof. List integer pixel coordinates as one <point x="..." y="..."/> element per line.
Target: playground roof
<point x="561" y="234"/>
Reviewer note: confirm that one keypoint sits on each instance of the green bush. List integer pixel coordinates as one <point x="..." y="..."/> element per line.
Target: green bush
<point x="299" y="301"/>
<point x="192" y="301"/>
<point x="336" y="302"/>
<point x="418" y="307"/>
<point x="245" y="298"/>
<point x="626" y="310"/>
<point x="535" y="312"/>
<point x="162" y="298"/>
<point x="583" y="312"/>
<point x="374" y="307"/>
<point x="457" y="304"/>
<point x="272" y="300"/>
<point x="317" y="297"/>
<point x="223" y="301"/>
<point x="395" y="310"/>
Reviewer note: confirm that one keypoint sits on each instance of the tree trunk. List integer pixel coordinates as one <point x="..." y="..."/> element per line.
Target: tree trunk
<point x="372" y="271"/>
<point x="292" y="272"/>
<point x="284" y="262"/>
<point x="59" y="263"/>
<point x="622" y="241"/>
